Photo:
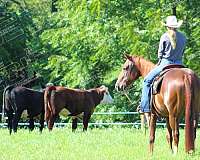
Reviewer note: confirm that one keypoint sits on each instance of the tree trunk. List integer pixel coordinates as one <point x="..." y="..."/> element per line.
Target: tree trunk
<point x="53" y="6"/>
<point x="174" y="10"/>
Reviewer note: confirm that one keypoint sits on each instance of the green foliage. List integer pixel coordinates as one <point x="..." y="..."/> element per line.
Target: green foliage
<point x="85" y="40"/>
<point x="16" y="29"/>
<point x="192" y="21"/>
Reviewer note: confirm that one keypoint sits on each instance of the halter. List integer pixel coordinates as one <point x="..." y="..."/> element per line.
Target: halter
<point x="131" y="69"/>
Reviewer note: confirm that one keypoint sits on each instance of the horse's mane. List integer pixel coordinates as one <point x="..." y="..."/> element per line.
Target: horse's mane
<point x="137" y="58"/>
<point x="144" y="65"/>
<point x="143" y="60"/>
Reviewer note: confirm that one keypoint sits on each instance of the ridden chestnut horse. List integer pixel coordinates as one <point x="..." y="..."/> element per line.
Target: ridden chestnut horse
<point x="179" y="94"/>
<point x="76" y="101"/>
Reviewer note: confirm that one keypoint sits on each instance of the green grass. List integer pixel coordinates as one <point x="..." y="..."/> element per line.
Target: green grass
<point x="96" y="144"/>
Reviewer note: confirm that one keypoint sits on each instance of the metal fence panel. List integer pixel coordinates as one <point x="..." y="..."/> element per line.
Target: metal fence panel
<point x="136" y="124"/>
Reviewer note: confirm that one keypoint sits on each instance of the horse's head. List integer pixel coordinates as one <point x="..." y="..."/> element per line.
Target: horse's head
<point x="128" y="74"/>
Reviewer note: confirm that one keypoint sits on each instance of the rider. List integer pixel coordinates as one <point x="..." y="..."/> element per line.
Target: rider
<point x="170" y="51"/>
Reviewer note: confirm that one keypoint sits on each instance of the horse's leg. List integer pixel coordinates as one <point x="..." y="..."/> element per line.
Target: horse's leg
<point x="142" y="121"/>
<point x="86" y="118"/>
<point x="147" y="116"/>
<point x="31" y="124"/>
<point x="174" y="123"/>
<point x="41" y="121"/>
<point x="74" y="123"/>
<point x="16" y="120"/>
<point x="169" y="133"/>
<point x="152" y="127"/>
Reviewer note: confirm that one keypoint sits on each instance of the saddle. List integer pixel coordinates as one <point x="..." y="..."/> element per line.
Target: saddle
<point x="156" y="85"/>
<point x="157" y="82"/>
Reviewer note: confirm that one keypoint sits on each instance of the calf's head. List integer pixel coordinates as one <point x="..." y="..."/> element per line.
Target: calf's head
<point x="106" y="95"/>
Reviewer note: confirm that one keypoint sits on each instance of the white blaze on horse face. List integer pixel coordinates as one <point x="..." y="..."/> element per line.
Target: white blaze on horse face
<point x="106" y="98"/>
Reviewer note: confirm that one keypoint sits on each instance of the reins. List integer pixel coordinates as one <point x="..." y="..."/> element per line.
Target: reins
<point x="131" y="102"/>
<point x="125" y="93"/>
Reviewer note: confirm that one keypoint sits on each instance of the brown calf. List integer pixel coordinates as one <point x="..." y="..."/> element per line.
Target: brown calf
<point x="76" y="101"/>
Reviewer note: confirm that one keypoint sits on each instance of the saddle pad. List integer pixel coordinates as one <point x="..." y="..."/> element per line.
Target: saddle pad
<point x="158" y="79"/>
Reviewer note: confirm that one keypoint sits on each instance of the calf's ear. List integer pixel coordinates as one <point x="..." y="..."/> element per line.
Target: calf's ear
<point x="102" y="86"/>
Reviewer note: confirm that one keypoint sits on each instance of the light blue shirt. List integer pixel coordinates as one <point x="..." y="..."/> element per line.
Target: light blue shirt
<point x="166" y="50"/>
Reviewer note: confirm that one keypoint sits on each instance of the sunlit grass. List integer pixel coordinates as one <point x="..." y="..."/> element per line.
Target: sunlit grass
<point x="96" y="144"/>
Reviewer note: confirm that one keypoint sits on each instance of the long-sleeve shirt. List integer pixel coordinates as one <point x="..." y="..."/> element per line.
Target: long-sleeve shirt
<point x="166" y="50"/>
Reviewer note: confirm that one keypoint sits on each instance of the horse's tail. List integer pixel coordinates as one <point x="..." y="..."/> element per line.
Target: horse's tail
<point x="189" y="115"/>
<point x="47" y="102"/>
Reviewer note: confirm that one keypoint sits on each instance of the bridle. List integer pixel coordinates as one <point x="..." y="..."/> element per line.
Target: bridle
<point x="127" y="73"/>
<point x="132" y="70"/>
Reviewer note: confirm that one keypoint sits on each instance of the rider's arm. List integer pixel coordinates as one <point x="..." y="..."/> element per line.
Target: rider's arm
<point x="161" y="47"/>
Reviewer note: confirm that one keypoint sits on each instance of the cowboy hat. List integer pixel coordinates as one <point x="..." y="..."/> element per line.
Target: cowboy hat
<point x="171" y="21"/>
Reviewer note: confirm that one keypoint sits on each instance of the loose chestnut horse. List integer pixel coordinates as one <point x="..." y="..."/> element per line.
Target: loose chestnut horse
<point x="76" y="101"/>
<point x="179" y="94"/>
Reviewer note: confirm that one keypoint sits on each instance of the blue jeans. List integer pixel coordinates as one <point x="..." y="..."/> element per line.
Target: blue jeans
<point x="145" y="99"/>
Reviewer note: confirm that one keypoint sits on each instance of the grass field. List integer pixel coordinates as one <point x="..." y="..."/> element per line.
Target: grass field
<point x="96" y="144"/>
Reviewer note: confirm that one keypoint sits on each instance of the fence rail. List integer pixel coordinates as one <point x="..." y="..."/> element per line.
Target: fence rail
<point x="114" y="113"/>
<point x="136" y="124"/>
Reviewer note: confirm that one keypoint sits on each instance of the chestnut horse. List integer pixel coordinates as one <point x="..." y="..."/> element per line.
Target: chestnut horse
<point x="179" y="94"/>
